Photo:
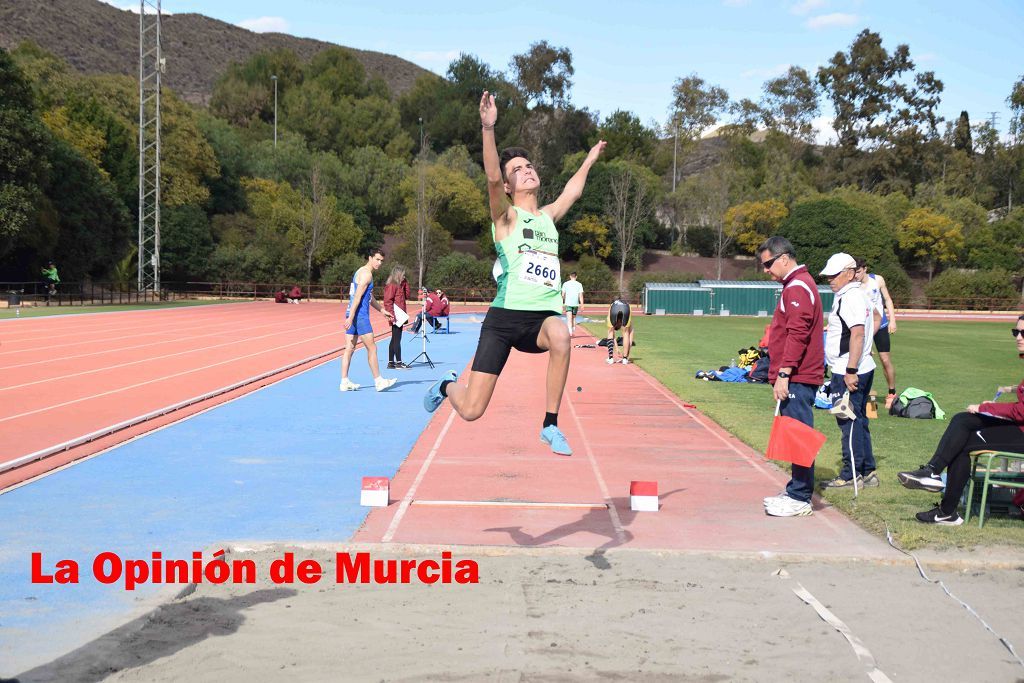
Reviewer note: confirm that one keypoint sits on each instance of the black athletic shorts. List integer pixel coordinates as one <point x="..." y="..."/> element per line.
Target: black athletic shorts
<point x="503" y="330"/>
<point x="882" y="340"/>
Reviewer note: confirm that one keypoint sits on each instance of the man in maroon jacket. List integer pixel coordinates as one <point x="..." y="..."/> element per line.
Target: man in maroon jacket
<point x="796" y="353"/>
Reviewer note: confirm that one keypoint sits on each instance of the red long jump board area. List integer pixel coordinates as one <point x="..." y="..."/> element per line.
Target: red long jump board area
<point x="492" y="482"/>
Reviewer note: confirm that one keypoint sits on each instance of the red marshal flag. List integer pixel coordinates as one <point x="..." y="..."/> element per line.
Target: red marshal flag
<point x="793" y="441"/>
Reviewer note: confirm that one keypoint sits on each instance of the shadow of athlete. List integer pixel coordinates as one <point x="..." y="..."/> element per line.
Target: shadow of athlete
<point x="524" y="314"/>
<point x="596" y="521"/>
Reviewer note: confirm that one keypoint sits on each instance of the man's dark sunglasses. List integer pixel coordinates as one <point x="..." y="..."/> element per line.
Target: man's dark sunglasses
<point x="1015" y="332"/>
<point x="771" y="262"/>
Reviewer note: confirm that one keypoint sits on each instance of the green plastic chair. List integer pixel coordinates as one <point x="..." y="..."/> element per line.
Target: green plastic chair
<point x="992" y="476"/>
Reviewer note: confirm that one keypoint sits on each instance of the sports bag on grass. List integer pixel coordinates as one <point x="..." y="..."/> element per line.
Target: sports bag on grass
<point x="918" y="404"/>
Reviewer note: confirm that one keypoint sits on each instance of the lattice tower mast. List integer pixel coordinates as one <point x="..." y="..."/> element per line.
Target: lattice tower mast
<point x="151" y="66"/>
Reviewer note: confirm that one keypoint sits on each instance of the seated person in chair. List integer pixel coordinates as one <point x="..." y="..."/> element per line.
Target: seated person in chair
<point x="989" y="426"/>
<point x="280" y="297"/>
<point x="437" y="307"/>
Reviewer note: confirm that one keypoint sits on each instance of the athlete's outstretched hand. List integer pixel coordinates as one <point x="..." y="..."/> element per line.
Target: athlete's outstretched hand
<point x="596" y="150"/>
<point x="488" y="110"/>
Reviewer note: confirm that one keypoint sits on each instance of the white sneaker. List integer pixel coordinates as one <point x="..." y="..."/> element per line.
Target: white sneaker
<point x="347" y="385"/>
<point x="383" y="383"/>
<point x="625" y="361"/>
<point x="610" y="361"/>
<point x="789" y="507"/>
<point x="774" y="500"/>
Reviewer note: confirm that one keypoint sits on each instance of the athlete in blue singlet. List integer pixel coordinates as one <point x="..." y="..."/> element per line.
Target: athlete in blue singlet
<point x="357" y="323"/>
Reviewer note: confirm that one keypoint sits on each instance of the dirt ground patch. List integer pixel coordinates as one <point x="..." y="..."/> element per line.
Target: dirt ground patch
<point x="554" y="614"/>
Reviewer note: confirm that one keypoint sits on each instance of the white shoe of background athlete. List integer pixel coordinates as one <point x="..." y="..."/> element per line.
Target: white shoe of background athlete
<point x="625" y="361"/>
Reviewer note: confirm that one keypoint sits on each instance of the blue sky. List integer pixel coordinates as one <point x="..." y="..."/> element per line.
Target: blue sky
<point x="627" y="55"/>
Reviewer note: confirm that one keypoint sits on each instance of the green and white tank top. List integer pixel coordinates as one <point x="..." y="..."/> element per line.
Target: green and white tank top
<point x="527" y="269"/>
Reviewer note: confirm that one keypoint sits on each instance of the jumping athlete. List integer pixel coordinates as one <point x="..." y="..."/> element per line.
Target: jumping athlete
<point x="357" y="323"/>
<point x="618" y="319"/>
<point x="524" y="314"/>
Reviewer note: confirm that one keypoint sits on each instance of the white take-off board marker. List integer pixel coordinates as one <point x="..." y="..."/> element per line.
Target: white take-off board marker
<point x="643" y="496"/>
<point x="376" y="492"/>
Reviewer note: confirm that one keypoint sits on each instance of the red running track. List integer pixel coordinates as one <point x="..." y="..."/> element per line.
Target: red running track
<point x="492" y="482"/>
<point x="68" y="376"/>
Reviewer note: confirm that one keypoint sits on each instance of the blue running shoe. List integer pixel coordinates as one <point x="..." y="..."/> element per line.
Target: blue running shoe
<point x="553" y="436"/>
<point x="433" y="400"/>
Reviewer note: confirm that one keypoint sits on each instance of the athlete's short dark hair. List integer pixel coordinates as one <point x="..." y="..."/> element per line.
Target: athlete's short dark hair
<point x="508" y="155"/>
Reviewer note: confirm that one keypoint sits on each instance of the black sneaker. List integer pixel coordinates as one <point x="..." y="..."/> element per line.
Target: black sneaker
<point x="937" y="516"/>
<point x="399" y="365"/>
<point x="923" y="478"/>
<point x="391" y="365"/>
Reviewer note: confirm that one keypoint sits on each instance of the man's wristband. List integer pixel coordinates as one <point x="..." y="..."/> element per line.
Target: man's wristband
<point x="485" y="127"/>
<point x="851" y="371"/>
<point x="783" y="375"/>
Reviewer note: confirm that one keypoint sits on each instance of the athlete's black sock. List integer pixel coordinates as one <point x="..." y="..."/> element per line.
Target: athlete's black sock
<point x="444" y="387"/>
<point x="892" y="390"/>
<point x="611" y="346"/>
<point x="550" y="419"/>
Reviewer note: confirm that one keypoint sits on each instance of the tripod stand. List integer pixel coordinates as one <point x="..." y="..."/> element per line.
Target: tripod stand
<point x="423" y="335"/>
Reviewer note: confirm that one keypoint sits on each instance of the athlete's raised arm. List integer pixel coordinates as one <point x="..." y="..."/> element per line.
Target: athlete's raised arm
<point x="492" y="166"/>
<point x="574" y="188"/>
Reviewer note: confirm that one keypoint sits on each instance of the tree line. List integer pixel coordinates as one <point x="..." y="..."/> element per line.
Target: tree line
<point x="353" y="162"/>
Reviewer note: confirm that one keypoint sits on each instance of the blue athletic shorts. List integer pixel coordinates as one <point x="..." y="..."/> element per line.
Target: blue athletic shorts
<point x="360" y="326"/>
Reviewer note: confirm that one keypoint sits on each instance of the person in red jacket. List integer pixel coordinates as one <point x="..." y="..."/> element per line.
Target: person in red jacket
<point x="295" y="296"/>
<point x="437" y="307"/>
<point x="396" y="294"/>
<point x="987" y="426"/>
<point x="796" y="361"/>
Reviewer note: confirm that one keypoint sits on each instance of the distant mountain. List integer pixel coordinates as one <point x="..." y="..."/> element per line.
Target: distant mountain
<point x="95" y="37"/>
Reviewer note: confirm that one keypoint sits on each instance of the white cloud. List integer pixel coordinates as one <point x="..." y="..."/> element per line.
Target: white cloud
<point x="434" y="60"/>
<point x="824" y="133"/>
<point x="807" y="6"/>
<point x="265" y="25"/>
<point x="765" y="72"/>
<point x="835" y="20"/>
<point x="926" y="58"/>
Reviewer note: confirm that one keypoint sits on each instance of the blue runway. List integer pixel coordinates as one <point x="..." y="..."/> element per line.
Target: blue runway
<point x="281" y="464"/>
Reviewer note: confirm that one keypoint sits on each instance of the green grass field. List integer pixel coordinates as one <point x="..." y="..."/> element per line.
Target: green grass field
<point x="39" y="311"/>
<point x="959" y="362"/>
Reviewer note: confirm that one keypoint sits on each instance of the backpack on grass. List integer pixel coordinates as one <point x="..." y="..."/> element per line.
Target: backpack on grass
<point x="918" y="404"/>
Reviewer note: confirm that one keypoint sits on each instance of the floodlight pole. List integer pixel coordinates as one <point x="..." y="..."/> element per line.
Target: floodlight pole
<point x="151" y="66"/>
<point x="274" y="78"/>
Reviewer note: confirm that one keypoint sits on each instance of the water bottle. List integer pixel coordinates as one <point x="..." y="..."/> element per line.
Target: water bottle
<point x="732" y="363"/>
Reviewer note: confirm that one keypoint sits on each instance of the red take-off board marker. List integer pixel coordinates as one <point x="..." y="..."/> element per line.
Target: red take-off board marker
<point x="643" y="496"/>
<point x="376" y="492"/>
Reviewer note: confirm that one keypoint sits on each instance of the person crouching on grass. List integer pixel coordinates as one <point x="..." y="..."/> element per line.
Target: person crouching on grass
<point x="987" y="426"/>
<point x="525" y="313"/>
<point x="619" y="320"/>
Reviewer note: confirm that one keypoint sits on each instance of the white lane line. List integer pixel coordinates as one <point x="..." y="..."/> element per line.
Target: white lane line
<point x="229" y="327"/>
<point x="407" y="499"/>
<point x="149" y="359"/>
<point x="135" y="332"/>
<point x="620" y="534"/>
<point x="862" y="652"/>
<point x="160" y="379"/>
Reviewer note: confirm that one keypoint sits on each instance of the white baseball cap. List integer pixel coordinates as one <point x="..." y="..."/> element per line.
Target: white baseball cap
<point x="837" y="263"/>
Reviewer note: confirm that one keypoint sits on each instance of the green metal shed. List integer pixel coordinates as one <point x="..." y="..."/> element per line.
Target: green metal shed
<point x="676" y="298"/>
<point x="740" y="297"/>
